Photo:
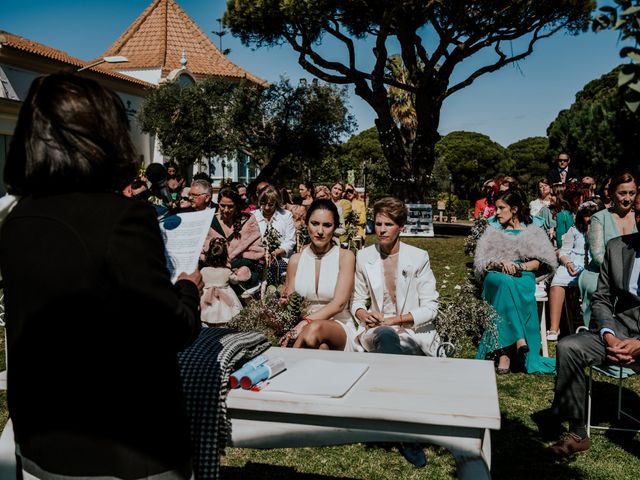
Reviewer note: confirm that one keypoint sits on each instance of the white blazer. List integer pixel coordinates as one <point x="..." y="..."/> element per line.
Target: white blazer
<point x="415" y="291"/>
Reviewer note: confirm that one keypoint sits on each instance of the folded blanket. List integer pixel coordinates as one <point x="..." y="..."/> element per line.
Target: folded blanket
<point x="205" y="368"/>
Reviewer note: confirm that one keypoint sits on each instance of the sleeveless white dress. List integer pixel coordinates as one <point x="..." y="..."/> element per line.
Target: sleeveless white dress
<point x="304" y="285"/>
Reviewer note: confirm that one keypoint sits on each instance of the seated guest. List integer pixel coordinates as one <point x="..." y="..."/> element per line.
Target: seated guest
<point x="298" y="212"/>
<point x="322" y="192"/>
<point x="612" y="222"/>
<point x="588" y="185"/>
<point x="507" y="256"/>
<point x="322" y="273"/>
<point x="484" y="206"/>
<point x="572" y="261"/>
<point x="357" y="206"/>
<point x="240" y="229"/>
<point x="307" y="193"/>
<point x="93" y="322"/>
<point x="544" y="197"/>
<point x="395" y="299"/>
<point x="396" y="280"/>
<point x="269" y="216"/>
<point x="200" y="195"/>
<point x="614" y="337"/>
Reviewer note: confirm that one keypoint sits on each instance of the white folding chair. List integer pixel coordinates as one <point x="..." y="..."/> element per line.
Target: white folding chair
<point x="612" y="371"/>
<point x="542" y="298"/>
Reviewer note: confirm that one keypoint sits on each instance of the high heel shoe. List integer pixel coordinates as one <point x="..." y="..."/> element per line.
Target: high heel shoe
<point x="521" y="355"/>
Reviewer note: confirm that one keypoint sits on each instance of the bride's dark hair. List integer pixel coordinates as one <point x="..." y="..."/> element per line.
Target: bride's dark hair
<point x="323" y="204"/>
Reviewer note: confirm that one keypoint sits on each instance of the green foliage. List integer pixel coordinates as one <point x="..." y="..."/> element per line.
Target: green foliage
<point x="288" y="129"/>
<point x="472" y="158"/>
<point x="530" y="162"/>
<point x="600" y="133"/>
<point x="189" y="122"/>
<point x="625" y="17"/>
<point x="269" y="315"/>
<point x="363" y="154"/>
<point x="499" y="32"/>
<point x="466" y="315"/>
<point x="284" y="128"/>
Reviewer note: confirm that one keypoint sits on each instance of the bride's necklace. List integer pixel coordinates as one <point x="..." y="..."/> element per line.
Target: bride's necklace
<point x="319" y="255"/>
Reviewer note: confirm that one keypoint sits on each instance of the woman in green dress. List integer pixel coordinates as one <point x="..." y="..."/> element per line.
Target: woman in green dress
<point x="508" y="257"/>
<point x="617" y="220"/>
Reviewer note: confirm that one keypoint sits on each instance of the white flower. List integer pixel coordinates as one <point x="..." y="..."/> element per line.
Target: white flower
<point x="457" y="287"/>
<point x="447" y="267"/>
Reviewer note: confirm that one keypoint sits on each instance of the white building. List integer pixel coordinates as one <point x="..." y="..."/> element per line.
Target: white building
<point x="163" y="44"/>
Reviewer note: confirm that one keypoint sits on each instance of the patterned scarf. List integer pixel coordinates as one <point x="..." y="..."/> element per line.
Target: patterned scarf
<point x="205" y="368"/>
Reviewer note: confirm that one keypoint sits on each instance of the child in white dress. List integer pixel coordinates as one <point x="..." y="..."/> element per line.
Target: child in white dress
<point x="218" y="303"/>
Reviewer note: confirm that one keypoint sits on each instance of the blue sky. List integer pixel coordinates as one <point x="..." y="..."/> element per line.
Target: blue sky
<point x="511" y="104"/>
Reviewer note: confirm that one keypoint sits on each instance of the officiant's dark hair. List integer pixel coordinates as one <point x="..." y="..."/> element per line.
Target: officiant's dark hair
<point x="393" y="208"/>
<point x="323" y="204"/>
<point x="72" y="134"/>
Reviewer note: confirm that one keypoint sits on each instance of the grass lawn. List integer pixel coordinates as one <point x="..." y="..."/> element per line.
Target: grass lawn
<point x="517" y="448"/>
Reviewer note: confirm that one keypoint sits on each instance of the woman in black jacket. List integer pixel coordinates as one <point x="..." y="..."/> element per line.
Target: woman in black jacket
<point x="93" y="321"/>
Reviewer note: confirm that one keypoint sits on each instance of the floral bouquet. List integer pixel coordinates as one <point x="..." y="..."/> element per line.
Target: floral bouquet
<point x="273" y="314"/>
<point x="302" y="237"/>
<point x="467" y="315"/>
<point x="272" y="240"/>
<point x="351" y="231"/>
<point x="477" y="229"/>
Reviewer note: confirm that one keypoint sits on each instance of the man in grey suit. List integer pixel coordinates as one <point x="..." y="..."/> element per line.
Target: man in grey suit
<point x="613" y="337"/>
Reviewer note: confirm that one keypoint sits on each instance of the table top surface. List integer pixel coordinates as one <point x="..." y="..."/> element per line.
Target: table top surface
<point x="403" y="388"/>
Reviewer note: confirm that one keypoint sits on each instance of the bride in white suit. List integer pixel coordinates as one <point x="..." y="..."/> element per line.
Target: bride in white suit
<point x="398" y="281"/>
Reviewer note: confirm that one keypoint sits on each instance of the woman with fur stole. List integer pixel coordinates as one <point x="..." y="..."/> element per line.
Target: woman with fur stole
<point x="509" y="256"/>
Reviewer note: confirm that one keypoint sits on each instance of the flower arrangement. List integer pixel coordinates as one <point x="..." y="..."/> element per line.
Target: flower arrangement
<point x="302" y="237"/>
<point x="273" y="314"/>
<point x="477" y="229"/>
<point x="272" y="240"/>
<point x="351" y="231"/>
<point x="467" y="315"/>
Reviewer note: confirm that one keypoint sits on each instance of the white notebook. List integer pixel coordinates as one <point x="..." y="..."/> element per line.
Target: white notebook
<point x="318" y="377"/>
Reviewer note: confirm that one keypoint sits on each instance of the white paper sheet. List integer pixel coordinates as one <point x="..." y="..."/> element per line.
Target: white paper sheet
<point x="184" y="235"/>
<point x="318" y="377"/>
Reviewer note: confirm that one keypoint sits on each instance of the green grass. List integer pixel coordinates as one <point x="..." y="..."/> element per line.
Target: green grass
<point x="517" y="448"/>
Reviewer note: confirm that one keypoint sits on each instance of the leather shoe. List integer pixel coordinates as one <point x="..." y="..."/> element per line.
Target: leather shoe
<point x="569" y="444"/>
<point x="413" y="453"/>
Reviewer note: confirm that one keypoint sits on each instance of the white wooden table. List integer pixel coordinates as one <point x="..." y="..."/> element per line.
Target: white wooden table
<point x="448" y="402"/>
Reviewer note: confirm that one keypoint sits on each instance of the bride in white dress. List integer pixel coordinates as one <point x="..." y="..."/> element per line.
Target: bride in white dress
<point x="323" y="274"/>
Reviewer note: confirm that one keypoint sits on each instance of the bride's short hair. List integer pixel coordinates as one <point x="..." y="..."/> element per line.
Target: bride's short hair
<point x="393" y="208"/>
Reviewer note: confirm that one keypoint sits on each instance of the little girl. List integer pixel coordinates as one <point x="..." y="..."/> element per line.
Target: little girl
<point x="572" y="261"/>
<point x="219" y="303"/>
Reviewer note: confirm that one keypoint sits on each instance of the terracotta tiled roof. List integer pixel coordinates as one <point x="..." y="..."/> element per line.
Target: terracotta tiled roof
<point x="24" y="44"/>
<point x="159" y="36"/>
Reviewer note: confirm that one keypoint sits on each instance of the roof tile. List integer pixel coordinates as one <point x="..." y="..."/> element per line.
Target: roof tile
<point x="24" y="44"/>
<point x="158" y="37"/>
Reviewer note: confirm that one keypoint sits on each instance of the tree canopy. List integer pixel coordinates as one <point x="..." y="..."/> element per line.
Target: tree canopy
<point x="600" y="133"/>
<point x="188" y="122"/>
<point x="471" y="158"/>
<point x="530" y="161"/>
<point x="435" y="38"/>
<point x="282" y="127"/>
<point x="625" y="17"/>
